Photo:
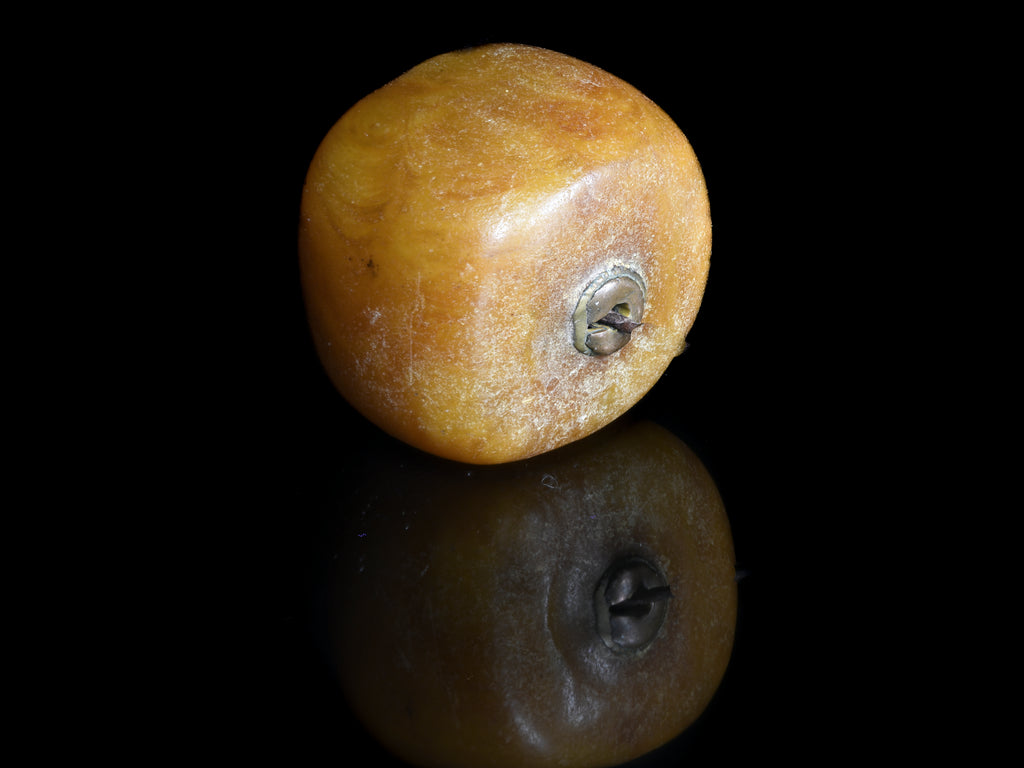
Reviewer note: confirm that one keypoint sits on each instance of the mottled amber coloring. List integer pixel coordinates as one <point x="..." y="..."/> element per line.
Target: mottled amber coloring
<point x="452" y="220"/>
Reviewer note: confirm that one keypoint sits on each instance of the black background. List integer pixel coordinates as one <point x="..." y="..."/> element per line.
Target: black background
<point x="780" y="392"/>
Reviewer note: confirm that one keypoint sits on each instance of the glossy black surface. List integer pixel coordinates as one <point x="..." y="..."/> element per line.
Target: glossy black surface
<point x="768" y="393"/>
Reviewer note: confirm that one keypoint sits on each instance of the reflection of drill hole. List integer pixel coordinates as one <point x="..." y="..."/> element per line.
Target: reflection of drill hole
<point x="630" y="603"/>
<point x="622" y="309"/>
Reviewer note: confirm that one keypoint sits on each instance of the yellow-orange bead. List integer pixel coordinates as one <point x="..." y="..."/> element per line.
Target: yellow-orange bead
<point x="451" y="222"/>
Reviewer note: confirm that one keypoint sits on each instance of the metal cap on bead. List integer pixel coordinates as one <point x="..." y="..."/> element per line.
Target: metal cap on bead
<point x="608" y="311"/>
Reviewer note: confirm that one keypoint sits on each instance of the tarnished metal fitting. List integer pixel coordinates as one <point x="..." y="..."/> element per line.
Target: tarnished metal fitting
<point x="630" y="604"/>
<point x="609" y="310"/>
